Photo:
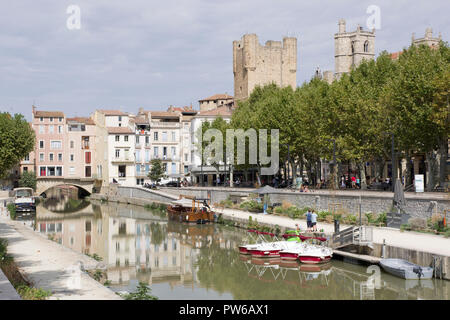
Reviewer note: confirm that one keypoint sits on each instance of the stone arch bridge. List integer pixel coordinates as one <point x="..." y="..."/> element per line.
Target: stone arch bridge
<point x="44" y="184"/>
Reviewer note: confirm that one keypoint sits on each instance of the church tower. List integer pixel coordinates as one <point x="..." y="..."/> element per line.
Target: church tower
<point x="351" y="48"/>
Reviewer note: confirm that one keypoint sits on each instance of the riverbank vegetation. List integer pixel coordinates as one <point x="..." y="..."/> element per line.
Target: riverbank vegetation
<point x="142" y="292"/>
<point x="435" y="225"/>
<point x="23" y="287"/>
<point x="12" y="210"/>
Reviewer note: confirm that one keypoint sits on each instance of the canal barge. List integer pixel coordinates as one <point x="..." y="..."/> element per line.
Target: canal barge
<point x="192" y="210"/>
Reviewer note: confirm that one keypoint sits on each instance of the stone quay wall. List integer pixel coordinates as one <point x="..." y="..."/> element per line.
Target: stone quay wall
<point x="417" y="205"/>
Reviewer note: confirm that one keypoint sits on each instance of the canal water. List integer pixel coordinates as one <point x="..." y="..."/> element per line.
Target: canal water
<point x="202" y="262"/>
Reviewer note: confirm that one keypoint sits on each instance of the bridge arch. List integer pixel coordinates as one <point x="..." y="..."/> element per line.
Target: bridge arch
<point x="43" y="186"/>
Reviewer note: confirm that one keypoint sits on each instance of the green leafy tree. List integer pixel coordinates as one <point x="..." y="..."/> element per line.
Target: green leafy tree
<point x="156" y="170"/>
<point x="17" y="140"/>
<point x="28" y="180"/>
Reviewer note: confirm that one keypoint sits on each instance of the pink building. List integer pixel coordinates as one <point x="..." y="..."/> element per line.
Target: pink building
<point x="49" y="127"/>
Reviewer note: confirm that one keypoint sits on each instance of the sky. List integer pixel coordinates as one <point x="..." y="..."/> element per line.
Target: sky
<point x="149" y="54"/>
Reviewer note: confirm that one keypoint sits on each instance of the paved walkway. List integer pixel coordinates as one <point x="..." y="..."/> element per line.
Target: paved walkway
<point x="50" y="266"/>
<point x="409" y="240"/>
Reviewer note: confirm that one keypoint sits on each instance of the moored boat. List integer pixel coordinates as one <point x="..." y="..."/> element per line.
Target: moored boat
<point x="405" y="269"/>
<point x="307" y="253"/>
<point x="191" y="210"/>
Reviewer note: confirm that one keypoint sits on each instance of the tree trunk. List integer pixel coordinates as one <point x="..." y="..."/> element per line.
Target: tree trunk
<point x="408" y="176"/>
<point x="443" y="153"/>
<point x="362" y="173"/>
<point x="431" y="165"/>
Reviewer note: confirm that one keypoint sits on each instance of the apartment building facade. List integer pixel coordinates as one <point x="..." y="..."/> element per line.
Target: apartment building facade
<point x="116" y="147"/>
<point x="49" y="127"/>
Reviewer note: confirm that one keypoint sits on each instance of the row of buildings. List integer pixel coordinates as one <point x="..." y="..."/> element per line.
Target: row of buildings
<point x="116" y="146"/>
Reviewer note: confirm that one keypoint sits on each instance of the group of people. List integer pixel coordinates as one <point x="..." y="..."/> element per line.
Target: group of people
<point x="311" y="221"/>
<point x="353" y="182"/>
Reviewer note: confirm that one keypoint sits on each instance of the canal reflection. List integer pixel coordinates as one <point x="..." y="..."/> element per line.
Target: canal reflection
<point x="182" y="261"/>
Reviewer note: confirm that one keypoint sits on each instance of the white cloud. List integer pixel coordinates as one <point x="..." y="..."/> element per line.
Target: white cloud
<point x="156" y="53"/>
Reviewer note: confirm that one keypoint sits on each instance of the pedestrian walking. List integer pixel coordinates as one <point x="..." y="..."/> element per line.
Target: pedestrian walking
<point x="308" y="220"/>
<point x="314" y="221"/>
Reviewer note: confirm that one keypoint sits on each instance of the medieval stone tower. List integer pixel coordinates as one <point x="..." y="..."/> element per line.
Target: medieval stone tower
<point x="351" y="48"/>
<point x="428" y="39"/>
<point x="254" y="64"/>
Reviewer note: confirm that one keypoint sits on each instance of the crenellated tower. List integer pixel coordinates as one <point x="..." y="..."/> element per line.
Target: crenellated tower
<point x="254" y="64"/>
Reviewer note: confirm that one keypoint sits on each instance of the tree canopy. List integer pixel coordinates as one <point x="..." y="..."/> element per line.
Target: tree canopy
<point x="17" y="140"/>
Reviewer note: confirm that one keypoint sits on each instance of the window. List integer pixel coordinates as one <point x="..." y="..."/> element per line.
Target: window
<point x="42" y="172"/>
<point x="41" y="157"/>
<point x="41" y="129"/>
<point x="59" y="172"/>
<point x="60" y="129"/>
<point x="366" y="46"/>
<point x="155" y="136"/>
<point x="71" y="170"/>
<point x="120" y="118"/>
<point x="72" y="158"/>
<point x="51" y="119"/>
<point x="138" y="155"/>
<point x="55" y="145"/>
<point x="117" y="153"/>
<point x="147" y="155"/>
<point x="174" y="152"/>
<point x="186" y="157"/>
<point x="60" y="119"/>
<point x="186" y="168"/>
<point x="147" y="140"/>
<point x="51" y="129"/>
<point x="41" y="119"/>
<point x="87" y="157"/>
<point x="87" y="171"/>
<point x="117" y="138"/>
<point x="126" y="138"/>
<point x="164" y="136"/>
<point x="27" y="158"/>
<point x="173" y="135"/>
<point x="84" y="142"/>
<point x="137" y="139"/>
<point x="138" y="169"/>
<point x="41" y="144"/>
<point x="50" y="157"/>
<point x="174" y="167"/>
<point x="60" y="157"/>
<point x="155" y="152"/>
<point x="122" y="171"/>
<point x="51" y="171"/>
<point x="72" y="143"/>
